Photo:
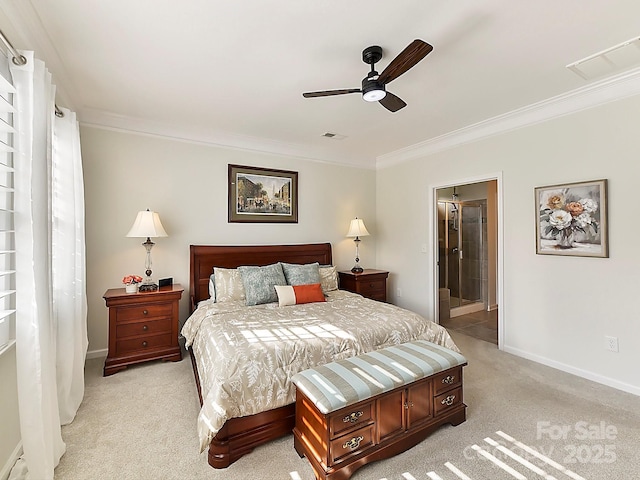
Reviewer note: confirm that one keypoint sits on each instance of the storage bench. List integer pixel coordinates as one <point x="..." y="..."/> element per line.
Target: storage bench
<point x="365" y="408"/>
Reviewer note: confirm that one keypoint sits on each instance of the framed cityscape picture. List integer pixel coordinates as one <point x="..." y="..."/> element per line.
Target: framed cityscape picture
<point x="571" y="219"/>
<point x="261" y="195"/>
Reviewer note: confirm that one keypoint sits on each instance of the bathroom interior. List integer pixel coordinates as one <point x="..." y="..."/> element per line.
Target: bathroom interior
<point x="467" y="258"/>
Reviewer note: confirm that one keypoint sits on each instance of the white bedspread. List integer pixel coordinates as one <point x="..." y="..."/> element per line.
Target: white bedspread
<point x="246" y="356"/>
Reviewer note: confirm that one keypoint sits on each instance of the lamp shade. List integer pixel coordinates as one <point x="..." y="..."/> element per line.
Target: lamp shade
<point x="146" y="225"/>
<point x="357" y="228"/>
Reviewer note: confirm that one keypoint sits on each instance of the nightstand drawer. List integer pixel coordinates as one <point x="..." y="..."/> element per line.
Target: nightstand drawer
<point x="141" y="344"/>
<point x="373" y="287"/>
<point x="144" y="328"/>
<point x="140" y="312"/>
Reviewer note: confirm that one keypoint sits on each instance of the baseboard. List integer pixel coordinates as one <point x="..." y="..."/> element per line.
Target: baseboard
<point x="15" y="455"/>
<point x="493" y="307"/>
<point x="625" y="387"/>
<point x="102" y="353"/>
<point x="466" y="309"/>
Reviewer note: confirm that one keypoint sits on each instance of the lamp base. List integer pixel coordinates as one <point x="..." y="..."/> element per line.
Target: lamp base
<point x="148" y="287"/>
<point x="357" y="269"/>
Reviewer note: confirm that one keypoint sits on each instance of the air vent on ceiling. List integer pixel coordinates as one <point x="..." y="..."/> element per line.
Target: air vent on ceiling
<point x="334" y="136"/>
<point x="620" y="57"/>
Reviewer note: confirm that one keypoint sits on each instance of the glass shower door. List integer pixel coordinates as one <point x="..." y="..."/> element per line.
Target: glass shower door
<point x="470" y="264"/>
<point x="461" y="251"/>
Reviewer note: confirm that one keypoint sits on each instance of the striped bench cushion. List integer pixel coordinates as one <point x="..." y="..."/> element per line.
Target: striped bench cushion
<point x="344" y="382"/>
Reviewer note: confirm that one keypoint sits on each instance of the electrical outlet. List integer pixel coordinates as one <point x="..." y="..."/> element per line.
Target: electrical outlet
<point x="398" y="292"/>
<point x="611" y="343"/>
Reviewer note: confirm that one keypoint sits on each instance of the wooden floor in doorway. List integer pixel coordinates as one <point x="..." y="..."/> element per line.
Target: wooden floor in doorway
<point x="482" y="325"/>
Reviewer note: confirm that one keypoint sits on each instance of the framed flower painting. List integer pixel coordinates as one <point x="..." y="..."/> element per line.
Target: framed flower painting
<point x="571" y="219"/>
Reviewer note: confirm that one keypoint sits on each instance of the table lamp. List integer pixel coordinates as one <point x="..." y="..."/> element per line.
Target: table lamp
<point x="357" y="230"/>
<point x="147" y="224"/>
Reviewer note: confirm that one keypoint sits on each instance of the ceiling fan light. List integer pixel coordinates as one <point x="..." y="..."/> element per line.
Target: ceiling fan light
<point x="374" y="95"/>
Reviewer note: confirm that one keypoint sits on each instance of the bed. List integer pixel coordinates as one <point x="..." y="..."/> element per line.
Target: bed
<point x="244" y="356"/>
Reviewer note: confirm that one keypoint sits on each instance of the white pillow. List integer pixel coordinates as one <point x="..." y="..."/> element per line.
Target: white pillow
<point x="328" y="278"/>
<point x="228" y="284"/>
<point x="212" y="287"/>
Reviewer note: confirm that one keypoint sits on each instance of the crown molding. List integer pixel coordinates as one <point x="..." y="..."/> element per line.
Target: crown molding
<point x="32" y="36"/>
<point x="605" y="91"/>
<point x="110" y="121"/>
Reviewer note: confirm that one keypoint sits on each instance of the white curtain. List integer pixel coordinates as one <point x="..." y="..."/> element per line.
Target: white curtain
<point x="51" y="337"/>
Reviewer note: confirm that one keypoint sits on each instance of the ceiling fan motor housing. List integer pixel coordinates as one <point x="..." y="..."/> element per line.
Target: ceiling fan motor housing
<point x="372" y="90"/>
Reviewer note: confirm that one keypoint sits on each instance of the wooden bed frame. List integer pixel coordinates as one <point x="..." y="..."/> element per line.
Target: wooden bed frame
<point x="240" y="436"/>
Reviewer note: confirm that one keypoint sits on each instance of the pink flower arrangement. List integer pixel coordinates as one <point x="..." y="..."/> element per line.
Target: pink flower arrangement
<point x="131" y="279"/>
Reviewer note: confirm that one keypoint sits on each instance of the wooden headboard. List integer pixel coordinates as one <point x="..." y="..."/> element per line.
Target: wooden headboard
<point x="204" y="257"/>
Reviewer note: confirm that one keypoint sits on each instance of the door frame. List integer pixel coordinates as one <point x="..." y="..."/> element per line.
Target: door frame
<point x="433" y="230"/>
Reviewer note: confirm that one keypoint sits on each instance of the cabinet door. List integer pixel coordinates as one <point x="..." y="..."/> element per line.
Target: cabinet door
<point x="390" y="415"/>
<point x="419" y="402"/>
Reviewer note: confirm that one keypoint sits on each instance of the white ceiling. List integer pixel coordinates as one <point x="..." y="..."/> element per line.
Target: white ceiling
<point x="233" y="72"/>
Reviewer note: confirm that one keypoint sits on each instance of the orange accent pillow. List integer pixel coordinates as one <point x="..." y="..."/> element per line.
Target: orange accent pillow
<point x="308" y="293"/>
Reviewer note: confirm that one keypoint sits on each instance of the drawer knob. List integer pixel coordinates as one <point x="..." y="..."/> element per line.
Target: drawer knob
<point x="145" y="312"/>
<point x="449" y="400"/>
<point x="353" y="443"/>
<point x="352" y="417"/>
<point x="449" y="379"/>
<point x="408" y="405"/>
<point x="144" y="344"/>
<point x="145" y="328"/>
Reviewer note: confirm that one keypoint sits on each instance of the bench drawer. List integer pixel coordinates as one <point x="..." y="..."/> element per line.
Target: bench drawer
<point x="447" y="380"/>
<point x="447" y="401"/>
<point x="352" y="444"/>
<point x="348" y="419"/>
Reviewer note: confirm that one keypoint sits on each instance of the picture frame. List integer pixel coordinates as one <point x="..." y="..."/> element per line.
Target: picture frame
<point x="571" y="219"/>
<point x="262" y="195"/>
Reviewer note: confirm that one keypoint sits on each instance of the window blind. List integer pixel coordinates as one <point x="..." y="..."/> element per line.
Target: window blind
<point x="7" y="233"/>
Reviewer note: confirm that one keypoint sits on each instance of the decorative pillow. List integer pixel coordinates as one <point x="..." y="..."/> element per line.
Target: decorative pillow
<point x="212" y="287"/>
<point x="228" y="284"/>
<point x="259" y="282"/>
<point x="328" y="278"/>
<point x="301" y="274"/>
<point x="297" y="294"/>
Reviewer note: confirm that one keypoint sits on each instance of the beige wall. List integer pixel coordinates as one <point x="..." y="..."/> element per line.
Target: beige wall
<point x="9" y="419"/>
<point x="555" y="310"/>
<point x="186" y="184"/>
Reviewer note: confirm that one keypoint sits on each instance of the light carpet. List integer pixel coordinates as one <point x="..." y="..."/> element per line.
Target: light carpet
<point x="141" y="424"/>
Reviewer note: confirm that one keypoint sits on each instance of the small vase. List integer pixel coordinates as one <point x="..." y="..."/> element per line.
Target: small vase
<point x="566" y="240"/>
<point x="131" y="288"/>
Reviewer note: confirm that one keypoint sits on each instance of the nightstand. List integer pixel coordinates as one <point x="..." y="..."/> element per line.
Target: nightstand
<point x="143" y="326"/>
<point x="370" y="283"/>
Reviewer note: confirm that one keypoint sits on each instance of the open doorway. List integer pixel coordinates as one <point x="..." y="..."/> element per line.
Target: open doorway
<point x="467" y="258"/>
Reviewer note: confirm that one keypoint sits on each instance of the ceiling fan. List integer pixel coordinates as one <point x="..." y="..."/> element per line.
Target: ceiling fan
<point x="374" y="85"/>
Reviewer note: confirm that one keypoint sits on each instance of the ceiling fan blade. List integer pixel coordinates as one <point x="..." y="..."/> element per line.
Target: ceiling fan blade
<point x="328" y="93"/>
<point x="392" y="103"/>
<point x="409" y="57"/>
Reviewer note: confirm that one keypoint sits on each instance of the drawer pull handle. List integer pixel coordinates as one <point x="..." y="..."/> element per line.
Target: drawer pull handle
<point x="145" y="312"/>
<point x="408" y="405"/>
<point x="353" y="443"/>
<point x="352" y="417"/>
<point x="145" y="328"/>
<point x="144" y="344"/>
<point x="449" y="400"/>
<point x="449" y="379"/>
